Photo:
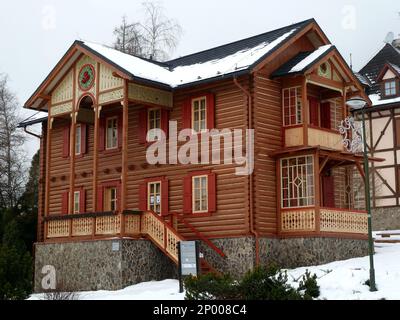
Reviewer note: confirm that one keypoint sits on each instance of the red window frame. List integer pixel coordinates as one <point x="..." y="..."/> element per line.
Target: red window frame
<point x="187" y="111"/>
<point x="143" y="124"/>
<point x="67" y="137"/>
<point x="65" y="201"/>
<point x="103" y="133"/>
<point x="143" y="194"/>
<point x="100" y="194"/>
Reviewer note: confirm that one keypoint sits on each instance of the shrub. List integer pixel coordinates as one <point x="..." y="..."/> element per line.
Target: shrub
<point x="260" y="284"/>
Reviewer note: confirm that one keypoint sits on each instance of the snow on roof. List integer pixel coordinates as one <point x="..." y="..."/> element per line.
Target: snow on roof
<point x="395" y="67"/>
<point x="311" y="58"/>
<point x="376" y="100"/>
<point x="180" y="75"/>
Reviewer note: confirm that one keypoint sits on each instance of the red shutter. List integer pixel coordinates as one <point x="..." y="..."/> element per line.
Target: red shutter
<point x="120" y="130"/>
<point x="64" y="202"/>
<point x="100" y="199"/>
<point x="164" y="197"/>
<point x="212" y="193"/>
<point x="142" y="126"/>
<point x="326" y="115"/>
<point x="66" y="146"/>
<point x="143" y="197"/>
<point x="187" y="195"/>
<point x="187" y="114"/>
<point x="314" y="112"/>
<point x="84" y="131"/>
<point x="82" y="200"/>
<point x="102" y="134"/>
<point x="119" y="198"/>
<point x="165" y="122"/>
<point x="210" y="111"/>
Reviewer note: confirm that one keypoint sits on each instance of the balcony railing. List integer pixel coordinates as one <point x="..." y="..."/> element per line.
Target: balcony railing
<point x="106" y="225"/>
<point x="309" y="221"/>
<point x="294" y="137"/>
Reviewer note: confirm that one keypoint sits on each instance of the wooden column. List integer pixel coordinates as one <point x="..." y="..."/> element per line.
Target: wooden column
<point x="124" y="172"/>
<point x="317" y="193"/>
<point x="72" y="162"/>
<point x="97" y="110"/>
<point x="47" y="182"/>
<point x="305" y="110"/>
<point x="344" y="96"/>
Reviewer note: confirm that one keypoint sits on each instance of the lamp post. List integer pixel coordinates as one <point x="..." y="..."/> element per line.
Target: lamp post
<point x="357" y="104"/>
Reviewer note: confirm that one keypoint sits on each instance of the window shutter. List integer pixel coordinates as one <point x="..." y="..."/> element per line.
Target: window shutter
<point x="164" y="197"/>
<point x="212" y="193"/>
<point x="210" y="111"/>
<point x="66" y="144"/>
<point x="119" y="198"/>
<point x="143" y="197"/>
<point x="82" y="200"/>
<point x="187" y="114"/>
<point x="165" y="122"/>
<point x="64" y="202"/>
<point x="120" y="130"/>
<point x="326" y="115"/>
<point x="142" y="134"/>
<point x="100" y="199"/>
<point x="102" y="134"/>
<point x="187" y="195"/>
<point x="84" y="131"/>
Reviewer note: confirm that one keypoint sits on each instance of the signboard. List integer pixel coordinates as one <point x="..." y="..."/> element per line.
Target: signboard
<point x="188" y="260"/>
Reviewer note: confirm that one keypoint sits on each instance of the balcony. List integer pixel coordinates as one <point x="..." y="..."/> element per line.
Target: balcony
<point x="323" y="221"/>
<point x="327" y="138"/>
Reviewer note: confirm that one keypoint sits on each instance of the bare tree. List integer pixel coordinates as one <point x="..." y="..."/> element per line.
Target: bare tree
<point x="12" y="157"/>
<point x="129" y="38"/>
<point x="161" y="35"/>
<point x="154" y="38"/>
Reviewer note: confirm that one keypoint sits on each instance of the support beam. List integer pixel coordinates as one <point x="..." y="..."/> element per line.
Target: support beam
<point x="317" y="193"/>
<point x="322" y="166"/>
<point x="72" y="163"/>
<point x="360" y="169"/>
<point x="47" y="183"/>
<point x="124" y="173"/>
<point x="97" y="111"/>
<point x="305" y="111"/>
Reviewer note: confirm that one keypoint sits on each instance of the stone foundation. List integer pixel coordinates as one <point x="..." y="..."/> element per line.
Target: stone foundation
<point x="286" y="253"/>
<point x="386" y="218"/>
<point x="102" y="265"/>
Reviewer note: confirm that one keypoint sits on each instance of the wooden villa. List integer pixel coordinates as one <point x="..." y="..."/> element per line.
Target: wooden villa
<point x="104" y="210"/>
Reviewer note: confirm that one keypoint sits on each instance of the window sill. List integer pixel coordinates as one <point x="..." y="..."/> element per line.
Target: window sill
<point x="111" y="151"/>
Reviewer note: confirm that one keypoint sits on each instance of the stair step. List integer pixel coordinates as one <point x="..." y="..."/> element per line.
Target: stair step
<point x="388" y="235"/>
<point x="387" y="241"/>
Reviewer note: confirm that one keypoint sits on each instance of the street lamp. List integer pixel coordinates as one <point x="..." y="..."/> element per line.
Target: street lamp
<point x="357" y="104"/>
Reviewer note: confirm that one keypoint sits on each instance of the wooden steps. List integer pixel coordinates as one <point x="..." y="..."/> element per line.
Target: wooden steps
<point x="387" y="237"/>
<point x="206" y="268"/>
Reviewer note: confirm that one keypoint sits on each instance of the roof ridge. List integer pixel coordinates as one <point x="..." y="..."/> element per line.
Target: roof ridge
<point x="237" y="41"/>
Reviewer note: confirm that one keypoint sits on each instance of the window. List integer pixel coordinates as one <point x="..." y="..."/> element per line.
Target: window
<point x="77" y="202"/>
<point x="297" y="182"/>
<point x="154" y="197"/>
<point x="200" y="194"/>
<point x="292" y="106"/>
<point x="112" y="133"/>
<point x="154" y="122"/>
<point x="390" y="88"/>
<point x="111" y="199"/>
<point x="199" y="114"/>
<point x="78" y="140"/>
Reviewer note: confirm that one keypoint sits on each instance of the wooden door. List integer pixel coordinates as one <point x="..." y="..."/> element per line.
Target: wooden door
<point x="328" y="191"/>
<point x="326" y="115"/>
<point x="314" y="114"/>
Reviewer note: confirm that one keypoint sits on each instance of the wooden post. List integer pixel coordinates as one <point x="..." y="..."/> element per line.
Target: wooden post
<point x="344" y="96"/>
<point x="305" y="112"/>
<point x="317" y="193"/>
<point x="97" y="111"/>
<point x="72" y="162"/>
<point x="124" y="173"/>
<point x="47" y="183"/>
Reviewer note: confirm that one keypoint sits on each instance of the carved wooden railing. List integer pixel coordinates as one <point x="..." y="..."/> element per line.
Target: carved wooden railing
<point x="340" y="221"/>
<point x="323" y="220"/>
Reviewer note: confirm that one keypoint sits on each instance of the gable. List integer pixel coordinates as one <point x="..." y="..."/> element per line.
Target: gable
<point x="389" y="75"/>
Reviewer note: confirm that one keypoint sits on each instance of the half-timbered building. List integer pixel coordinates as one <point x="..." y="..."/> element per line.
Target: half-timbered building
<point x="108" y="218"/>
<point x="381" y="78"/>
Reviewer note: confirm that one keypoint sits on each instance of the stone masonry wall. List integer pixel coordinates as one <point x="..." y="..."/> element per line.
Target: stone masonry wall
<point x="102" y="265"/>
<point x="386" y="219"/>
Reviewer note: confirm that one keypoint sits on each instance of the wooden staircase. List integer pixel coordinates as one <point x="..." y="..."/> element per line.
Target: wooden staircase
<point x="387" y="237"/>
<point x="162" y="233"/>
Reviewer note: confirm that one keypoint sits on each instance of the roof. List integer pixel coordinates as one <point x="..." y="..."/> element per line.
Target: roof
<point x="388" y="54"/>
<point x="36" y="119"/>
<point x="363" y="80"/>
<point x="230" y="60"/>
<point x="303" y="61"/>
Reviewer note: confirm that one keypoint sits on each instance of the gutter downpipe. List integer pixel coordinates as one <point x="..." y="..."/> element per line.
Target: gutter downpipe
<point x="251" y="183"/>
<point x="32" y="134"/>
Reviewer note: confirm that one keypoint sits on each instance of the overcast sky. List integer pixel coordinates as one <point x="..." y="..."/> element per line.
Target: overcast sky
<point x="35" y="34"/>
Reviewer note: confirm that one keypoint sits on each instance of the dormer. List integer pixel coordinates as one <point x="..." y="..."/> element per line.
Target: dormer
<point x="389" y="79"/>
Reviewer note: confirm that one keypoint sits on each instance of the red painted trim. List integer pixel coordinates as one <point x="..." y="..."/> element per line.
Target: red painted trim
<point x="85" y="95"/>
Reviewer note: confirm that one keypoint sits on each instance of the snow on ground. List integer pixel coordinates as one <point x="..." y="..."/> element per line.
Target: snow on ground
<point x="340" y="280"/>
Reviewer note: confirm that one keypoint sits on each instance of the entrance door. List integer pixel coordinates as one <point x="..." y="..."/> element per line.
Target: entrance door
<point x="314" y="114"/>
<point x="326" y="115"/>
<point x="328" y="191"/>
